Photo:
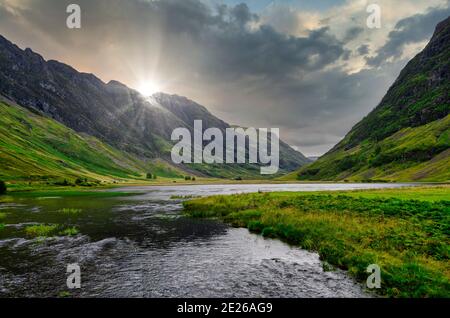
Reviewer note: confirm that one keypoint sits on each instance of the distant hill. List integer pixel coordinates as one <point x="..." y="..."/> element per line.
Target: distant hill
<point x="116" y="115"/>
<point x="407" y="136"/>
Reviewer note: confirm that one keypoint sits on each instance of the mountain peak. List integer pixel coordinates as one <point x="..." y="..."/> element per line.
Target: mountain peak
<point x="442" y="26"/>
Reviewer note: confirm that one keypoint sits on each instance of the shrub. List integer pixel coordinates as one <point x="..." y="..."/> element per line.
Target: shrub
<point x="2" y="187"/>
<point x="81" y="181"/>
<point x="149" y="175"/>
<point x="63" y="183"/>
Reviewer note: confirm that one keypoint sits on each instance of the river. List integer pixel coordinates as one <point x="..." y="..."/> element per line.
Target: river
<point x="142" y="246"/>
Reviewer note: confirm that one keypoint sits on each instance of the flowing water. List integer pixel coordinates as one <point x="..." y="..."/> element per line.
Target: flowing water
<point x="142" y="246"/>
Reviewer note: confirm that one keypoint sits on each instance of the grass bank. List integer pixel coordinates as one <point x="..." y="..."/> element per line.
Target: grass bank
<point x="404" y="231"/>
<point x="47" y="192"/>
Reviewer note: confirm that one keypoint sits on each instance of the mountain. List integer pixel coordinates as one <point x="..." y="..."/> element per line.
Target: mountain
<point x="111" y="112"/>
<point x="407" y="136"/>
<point x="37" y="148"/>
<point x="188" y="111"/>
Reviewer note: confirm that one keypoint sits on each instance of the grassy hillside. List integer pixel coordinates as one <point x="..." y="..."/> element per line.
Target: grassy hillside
<point x="37" y="148"/>
<point x="114" y="113"/>
<point x="411" y="154"/>
<point x="408" y="238"/>
<point x="407" y="136"/>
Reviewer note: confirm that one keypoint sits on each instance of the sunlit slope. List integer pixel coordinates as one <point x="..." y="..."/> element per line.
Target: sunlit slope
<point x="34" y="147"/>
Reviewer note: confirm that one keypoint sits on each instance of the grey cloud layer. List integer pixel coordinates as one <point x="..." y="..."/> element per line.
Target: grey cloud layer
<point x="227" y="57"/>
<point x="414" y="29"/>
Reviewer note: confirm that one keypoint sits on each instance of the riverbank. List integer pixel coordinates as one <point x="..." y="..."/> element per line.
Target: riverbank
<point x="36" y="186"/>
<point x="405" y="231"/>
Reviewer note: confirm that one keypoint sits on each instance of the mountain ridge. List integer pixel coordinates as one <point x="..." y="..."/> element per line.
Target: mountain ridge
<point x="406" y="137"/>
<point x="112" y="112"/>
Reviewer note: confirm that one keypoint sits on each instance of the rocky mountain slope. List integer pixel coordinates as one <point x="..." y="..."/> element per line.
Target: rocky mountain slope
<point x="407" y="136"/>
<point x="112" y="112"/>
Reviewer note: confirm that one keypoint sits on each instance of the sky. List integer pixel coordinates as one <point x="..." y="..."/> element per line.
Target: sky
<point x="309" y="67"/>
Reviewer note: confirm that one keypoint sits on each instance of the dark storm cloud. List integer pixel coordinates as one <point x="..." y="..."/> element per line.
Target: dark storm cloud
<point x="227" y="43"/>
<point x="266" y="52"/>
<point x="363" y="49"/>
<point x="352" y="34"/>
<point x="232" y="47"/>
<point x="241" y="14"/>
<point x="414" y="29"/>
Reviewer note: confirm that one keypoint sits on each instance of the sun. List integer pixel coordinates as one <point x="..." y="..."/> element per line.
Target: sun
<point x="148" y="88"/>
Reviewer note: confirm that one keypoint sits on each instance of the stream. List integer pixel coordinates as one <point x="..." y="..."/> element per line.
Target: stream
<point x="143" y="246"/>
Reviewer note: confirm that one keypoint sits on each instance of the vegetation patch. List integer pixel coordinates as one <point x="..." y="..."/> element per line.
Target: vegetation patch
<point x="419" y="153"/>
<point x="41" y="230"/>
<point x="70" y="231"/>
<point x="71" y="193"/>
<point x="50" y="230"/>
<point x="70" y="211"/>
<point x="2" y="187"/>
<point x="180" y="197"/>
<point x="408" y="239"/>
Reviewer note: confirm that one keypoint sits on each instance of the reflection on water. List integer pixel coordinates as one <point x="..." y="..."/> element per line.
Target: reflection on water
<point x="142" y="246"/>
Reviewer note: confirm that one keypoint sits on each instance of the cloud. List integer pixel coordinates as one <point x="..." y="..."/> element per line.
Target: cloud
<point x="352" y="33"/>
<point x="282" y="67"/>
<point x="363" y="49"/>
<point x="414" y="29"/>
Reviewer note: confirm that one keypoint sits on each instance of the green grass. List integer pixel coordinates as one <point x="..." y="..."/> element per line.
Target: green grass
<point x="71" y="231"/>
<point x="411" y="154"/>
<point x="70" y="211"/>
<point x="408" y="239"/>
<point x="70" y="193"/>
<point x="431" y="193"/>
<point x="64" y="294"/>
<point x="41" y="230"/>
<point x="49" y="230"/>
<point x="39" y="149"/>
